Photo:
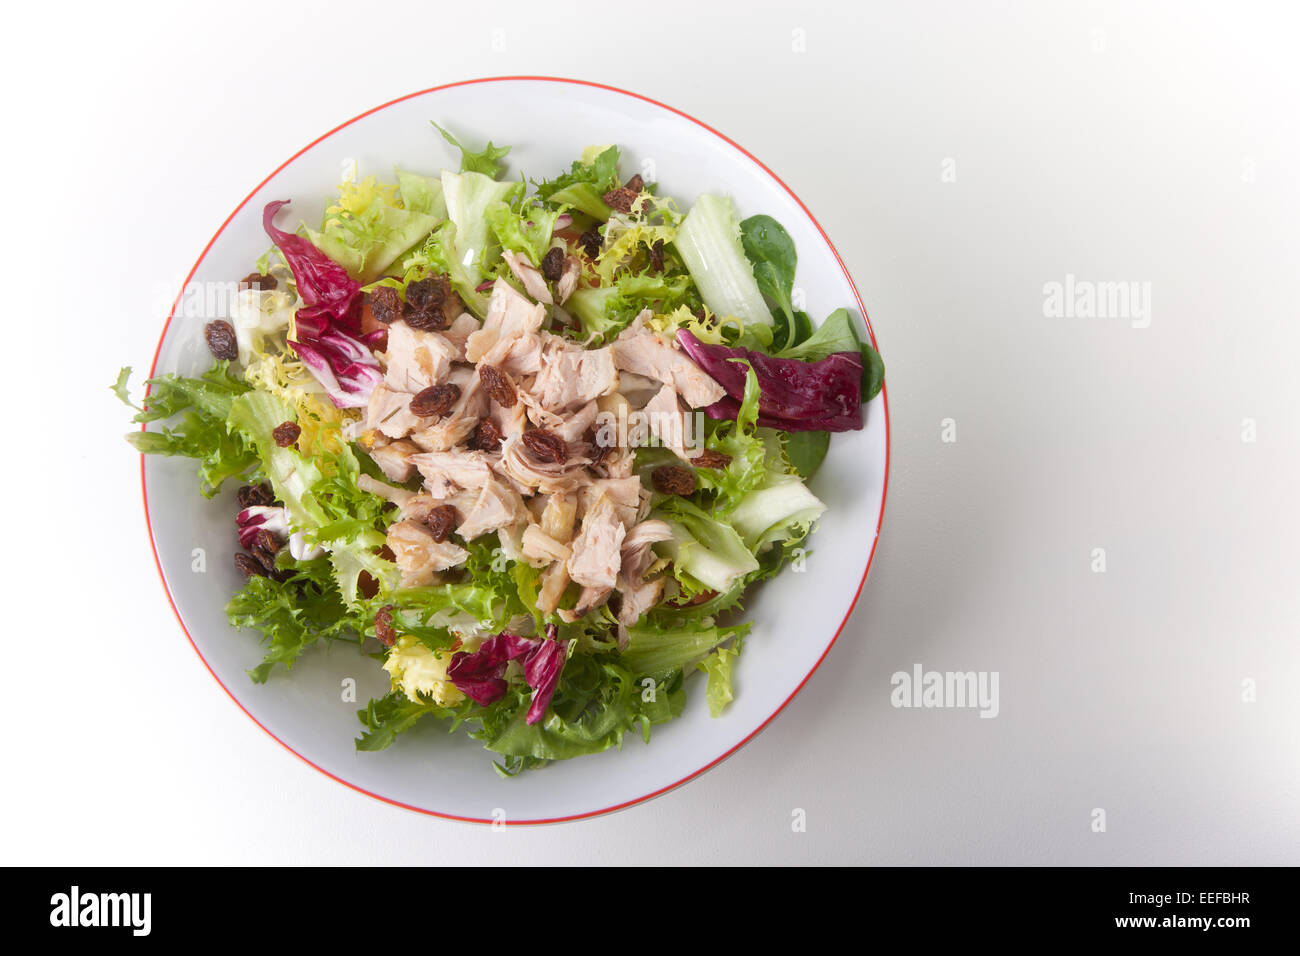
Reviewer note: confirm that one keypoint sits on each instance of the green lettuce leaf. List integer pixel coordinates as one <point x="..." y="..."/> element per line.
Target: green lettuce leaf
<point x="203" y="404"/>
<point x="704" y="549"/>
<point x="606" y="311"/>
<point x="656" y="650"/>
<point x="486" y="161"/>
<point x="469" y="195"/>
<point x="709" y="242"/>
<point x="294" y="615"/>
<point x="717" y="665"/>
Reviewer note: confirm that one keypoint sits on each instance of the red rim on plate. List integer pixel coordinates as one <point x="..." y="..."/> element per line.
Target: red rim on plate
<point x="884" y="491"/>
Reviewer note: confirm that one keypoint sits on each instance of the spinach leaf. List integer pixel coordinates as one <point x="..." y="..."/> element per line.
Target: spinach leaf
<point x="806" y="451"/>
<point x="770" y="250"/>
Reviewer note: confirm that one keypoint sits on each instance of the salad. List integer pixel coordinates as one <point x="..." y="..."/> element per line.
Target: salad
<point x="528" y="445"/>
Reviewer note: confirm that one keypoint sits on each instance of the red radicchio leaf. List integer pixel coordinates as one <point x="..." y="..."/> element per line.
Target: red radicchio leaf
<point x="328" y="327"/>
<point x="480" y="675"/>
<point x="825" y="395"/>
<point x="321" y="281"/>
<point x="261" y="518"/>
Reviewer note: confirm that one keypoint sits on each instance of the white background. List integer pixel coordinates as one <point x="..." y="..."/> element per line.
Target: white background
<point x="1151" y="143"/>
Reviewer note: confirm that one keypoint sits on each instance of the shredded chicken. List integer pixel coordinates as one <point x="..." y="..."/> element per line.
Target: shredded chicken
<point x="394" y="459"/>
<point x="509" y="315"/>
<point x="418" y="556"/>
<point x="568" y="278"/>
<point x="568" y="502"/>
<point x="571" y="375"/>
<point x="416" y="359"/>
<point x="533" y="282"/>
<point x="643" y="352"/>
<point x="596" y="550"/>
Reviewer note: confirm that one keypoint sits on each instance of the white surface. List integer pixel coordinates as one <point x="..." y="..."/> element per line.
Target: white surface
<point x="1166" y="156"/>
<point x="796" y="616"/>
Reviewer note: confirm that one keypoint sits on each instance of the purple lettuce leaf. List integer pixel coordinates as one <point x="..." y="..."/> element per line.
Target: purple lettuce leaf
<point x="480" y="674"/>
<point x="825" y="395"/>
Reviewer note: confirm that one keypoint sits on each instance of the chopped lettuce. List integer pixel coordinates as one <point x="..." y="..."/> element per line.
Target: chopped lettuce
<point x="708" y="241"/>
<point x="422" y="194"/>
<point x="293" y="615"/>
<point x="606" y="311"/>
<point x="367" y="228"/>
<point x="469" y="195"/>
<point x="524" y="227"/>
<point x="202" y="434"/>
<point x="486" y="161"/>
<point x="658" y="651"/>
<point x="718" y="691"/>
<point x="585" y="183"/>
<point x="705" y="549"/>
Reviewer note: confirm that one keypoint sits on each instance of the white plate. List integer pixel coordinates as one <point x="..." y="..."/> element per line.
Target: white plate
<point x="797" y="616"/>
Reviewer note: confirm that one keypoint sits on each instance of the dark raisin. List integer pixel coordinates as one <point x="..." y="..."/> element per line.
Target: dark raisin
<point x="636" y="183"/>
<point x="425" y="294"/>
<point x="425" y="320"/>
<point x="286" y="433"/>
<point x="221" y="339"/>
<point x="711" y="459"/>
<point x="441" y="521"/>
<point x="264" y="549"/>
<point x="434" y="401"/>
<point x="249" y="565"/>
<point x="498" y="386"/>
<point x="385" y="304"/>
<point x="553" y="263"/>
<point x="255" y="280"/>
<point x="546" y="446"/>
<point x="591" y="242"/>
<point x="673" y="480"/>
<point x="487" y="436"/>
<point x="657" y="256"/>
<point x="367" y="586"/>
<point x="599" y="451"/>
<point x="255" y="496"/>
<point x="384" y="626"/>
<point x="623" y="197"/>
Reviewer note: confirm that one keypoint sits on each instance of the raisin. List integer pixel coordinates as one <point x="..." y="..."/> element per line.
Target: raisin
<point x="384" y="632"/>
<point x="599" y="452"/>
<point x="286" y="433"/>
<point x="255" y="280"/>
<point x="711" y="459"/>
<point x="487" y="436"/>
<point x="221" y="339"/>
<point x="546" y="446"/>
<point x="657" y="256"/>
<point x="673" y="480"/>
<point x="434" y="401"/>
<point x="553" y="263"/>
<point x="431" y="319"/>
<point x="255" y="496"/>
<point x="441" y="521"/>
<point x="250" y="566"/>
<point x="623" y="197"/>
<point x="367" y="586"/>
<point x="264" y="542"/>
<point x="591" y="242"/>
<point x="385" y="304"/>
<point x="498" y="386"/>
<point x="424" y="295"/>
